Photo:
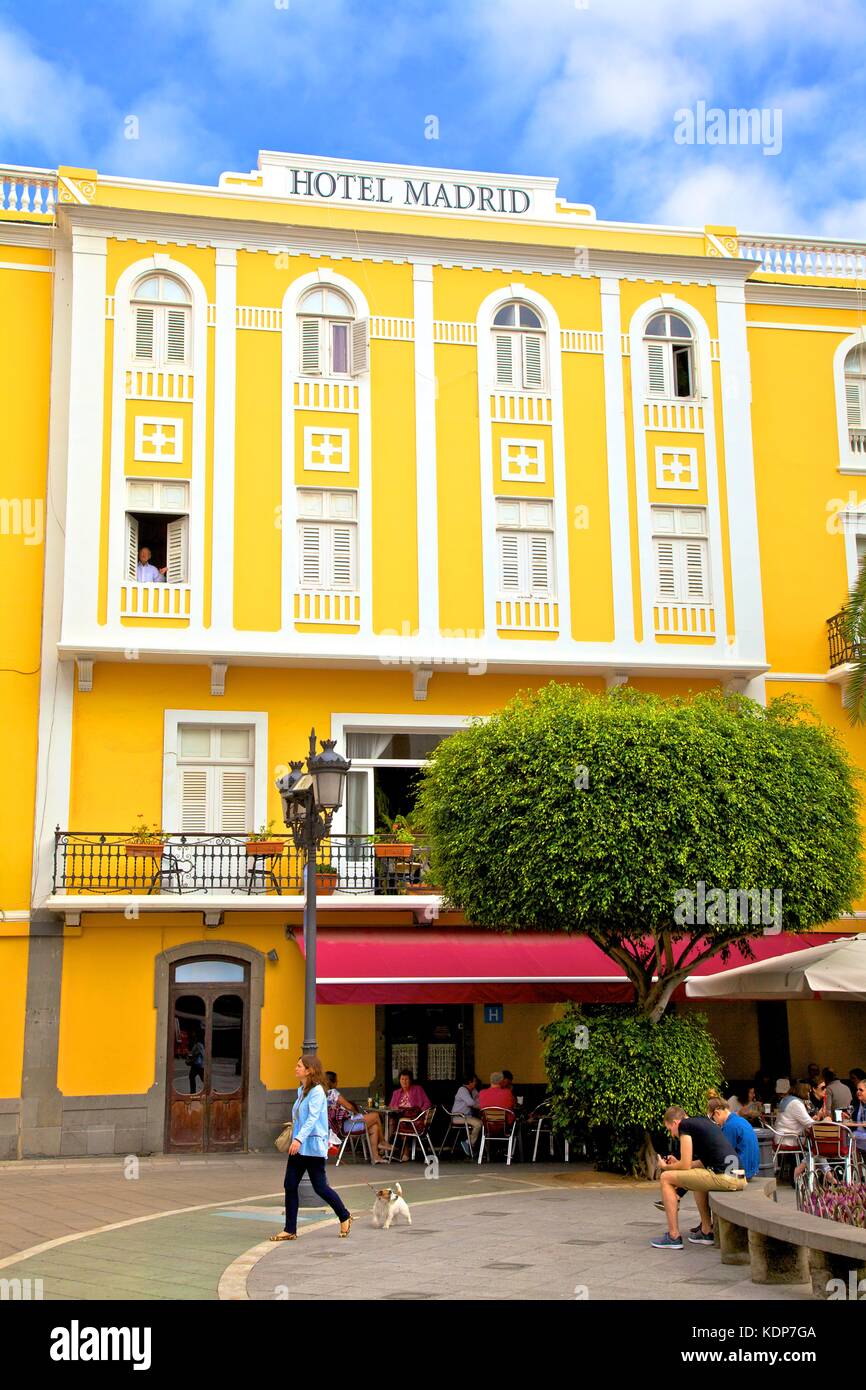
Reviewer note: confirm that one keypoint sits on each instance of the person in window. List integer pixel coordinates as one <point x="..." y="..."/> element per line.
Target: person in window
<point x="145" y="572"/>
<point x="345" y="1118"/>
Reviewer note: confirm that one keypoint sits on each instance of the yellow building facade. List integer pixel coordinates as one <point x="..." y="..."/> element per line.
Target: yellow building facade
<point x="367" y="448"/>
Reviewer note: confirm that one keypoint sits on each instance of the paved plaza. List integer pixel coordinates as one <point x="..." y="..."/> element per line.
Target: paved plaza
<point x="197" y="1228"/>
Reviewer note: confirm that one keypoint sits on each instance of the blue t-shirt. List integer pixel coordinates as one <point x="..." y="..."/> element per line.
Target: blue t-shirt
<point x="742" y="1138"/>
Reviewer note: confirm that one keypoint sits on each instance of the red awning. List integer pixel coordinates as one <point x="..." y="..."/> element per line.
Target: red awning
<point x="423" y="965"/>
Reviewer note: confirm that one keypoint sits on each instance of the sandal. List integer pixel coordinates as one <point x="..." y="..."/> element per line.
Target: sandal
<point x="345" y="1227"/>
<point x="284" y="1235"/>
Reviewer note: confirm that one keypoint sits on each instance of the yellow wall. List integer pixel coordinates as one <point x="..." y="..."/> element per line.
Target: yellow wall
<point x="514" y="1043"/>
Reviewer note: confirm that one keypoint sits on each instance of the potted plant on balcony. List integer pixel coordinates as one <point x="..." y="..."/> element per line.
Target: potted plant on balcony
<point x="327" y="878"/>
<point x="146" y="841"/>
<point x="396" y="841"/>
<point x="261" y="842"/>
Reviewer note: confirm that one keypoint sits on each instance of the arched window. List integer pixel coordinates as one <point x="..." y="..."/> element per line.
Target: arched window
<point x="855" y="397"/>
<point x="161" y="321"/>
<point x="519" y="347"/>
<point x="332" y="342"/>
<point x="670" y="357"/>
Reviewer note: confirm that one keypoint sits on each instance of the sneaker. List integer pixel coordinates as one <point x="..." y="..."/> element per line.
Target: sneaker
<point x="667" y="1242"/>
<point x="700" y="1237"/>
<point x="464" y="1144"/>
<point x="696" y="1230"/>
<point x="661" y="1205"/>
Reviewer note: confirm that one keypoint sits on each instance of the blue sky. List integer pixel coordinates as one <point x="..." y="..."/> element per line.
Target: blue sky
<point x="587" y="92"/>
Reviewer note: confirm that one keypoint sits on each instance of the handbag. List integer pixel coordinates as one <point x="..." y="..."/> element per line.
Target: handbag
<point x="283" y="1140"/>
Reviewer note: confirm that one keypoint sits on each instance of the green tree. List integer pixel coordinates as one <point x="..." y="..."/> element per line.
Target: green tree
<point x="854" y="633"/>
<point x="612" y="1074"/>
<point x="606" y="814"/>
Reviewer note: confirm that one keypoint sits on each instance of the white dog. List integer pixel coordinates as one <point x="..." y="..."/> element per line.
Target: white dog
<point x="389" y="1204"/>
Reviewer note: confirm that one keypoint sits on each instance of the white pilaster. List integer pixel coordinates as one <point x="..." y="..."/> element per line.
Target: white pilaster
<point x="617" y="471"/>
<point x="85" y="444"/>
<point x="425" y="453"/>
<point x="740" y="473"/>
<point x="224" y="409"/>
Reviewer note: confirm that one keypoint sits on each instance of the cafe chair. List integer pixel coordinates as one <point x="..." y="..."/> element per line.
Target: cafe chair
<point x="350" y="1140"/>
<point x="457" y="1127"/>
<point x="543" y="1121"/>
<point x="787" y="1146"/>
<point x="497" y="1127"/>
<point x="414" y="1131"/>
<point x="829" y="1148"/>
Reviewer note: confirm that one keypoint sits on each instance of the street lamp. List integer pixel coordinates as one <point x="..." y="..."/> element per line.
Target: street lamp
<point x="309" y="801"/>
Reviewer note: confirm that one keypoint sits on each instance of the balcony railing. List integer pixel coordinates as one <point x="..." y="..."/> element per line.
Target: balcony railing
<point x="109" y="862"/>
<point x="798" y="256"/>
<point x="857" y="443"/>
<point x="842" y="649"/>
<point x="31" y="193"/>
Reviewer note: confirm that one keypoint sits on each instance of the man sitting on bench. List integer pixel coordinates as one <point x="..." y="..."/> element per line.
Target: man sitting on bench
<point x="707" y="1163"/>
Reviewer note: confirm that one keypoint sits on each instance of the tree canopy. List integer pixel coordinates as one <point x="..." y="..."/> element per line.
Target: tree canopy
<point x="613" y="815"/>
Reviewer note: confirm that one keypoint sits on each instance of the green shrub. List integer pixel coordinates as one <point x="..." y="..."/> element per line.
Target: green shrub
<point x="612" y="1074"/>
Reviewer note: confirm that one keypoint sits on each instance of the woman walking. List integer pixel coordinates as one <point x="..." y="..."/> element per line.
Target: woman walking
<point x="309" y="1147"/>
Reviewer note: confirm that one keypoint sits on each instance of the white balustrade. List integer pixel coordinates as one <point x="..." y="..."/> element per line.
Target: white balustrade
<point x="675" y="417"/>
<point x="29" y="191"/>
<point x="857" y="441"/>
<point x="795" y="256"/>
<point x="684" y="620"/>
<point x="320" y="393"/>
<point x="154" y="600"/>
<point x="521" y="407"/>
<point x="145" y="383"/>
<point x="527" y="614"/>
<point x="328" y="607"/>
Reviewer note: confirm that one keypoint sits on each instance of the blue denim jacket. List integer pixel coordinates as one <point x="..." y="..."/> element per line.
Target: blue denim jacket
<point x="310" y="1117"/>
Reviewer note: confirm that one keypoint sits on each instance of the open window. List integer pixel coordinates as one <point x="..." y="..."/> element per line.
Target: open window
<point x="670" y="357"/>
<point x="855" y="399"/>
<point x="332" y="341"/>
<point x="519" y="347"/>
<point x="161" y="316"/>
<point x="157" y="520"/>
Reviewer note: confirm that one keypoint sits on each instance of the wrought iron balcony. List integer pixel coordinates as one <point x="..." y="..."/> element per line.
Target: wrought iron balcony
<point x="842" y="649"/>
<point x="112" y="862"/>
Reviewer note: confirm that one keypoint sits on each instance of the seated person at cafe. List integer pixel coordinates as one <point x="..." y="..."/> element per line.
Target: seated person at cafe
<point x="857" y="1120"/>
<point x="496" y="1094"/>
<point x="753" y="1108"/>
<point x="464" y="1111"/>
<point x="409" y="1096"/>
<point x="345" y="1118"/>
<point x="740" y="1133"/>
<point x="707" y="1163"/>
<point x="839" y="1095"/>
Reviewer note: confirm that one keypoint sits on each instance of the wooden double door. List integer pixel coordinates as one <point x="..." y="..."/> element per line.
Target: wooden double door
<point x="208" y="1047"/>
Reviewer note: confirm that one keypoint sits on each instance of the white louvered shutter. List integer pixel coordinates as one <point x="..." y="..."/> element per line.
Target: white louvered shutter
<point x="176" y="533"/>
<point x="131" y="546"/>
<point x="656" y="359"/>
<point x="503" y="345"/>
<point x="695" y="558"/>
<point x="509" y="562"/>
<point x="666" y="577"/>
<point x="194" y="801"/>
<point x="533" y="359"/>
<point x="540" y="555"/>
<point x="342" y="568"/>
<point x="311" y="347"/>
<point x="233" y="798"/>
<point x="360" y="350"/>
<point x="175" y="335"/>
<point x="310" y="555"/>
<point x="143" y="333"/>
<point x="853" y="401"/>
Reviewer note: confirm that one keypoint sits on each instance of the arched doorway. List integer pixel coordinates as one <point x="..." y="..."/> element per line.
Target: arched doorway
<point x="207" y="1055"/>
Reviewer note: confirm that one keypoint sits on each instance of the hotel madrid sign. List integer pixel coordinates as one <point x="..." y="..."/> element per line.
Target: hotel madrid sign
<point x="400" y="187"/>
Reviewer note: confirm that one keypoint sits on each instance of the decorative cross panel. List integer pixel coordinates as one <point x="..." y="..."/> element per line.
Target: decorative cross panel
<point x="677" y="468"/>
<point x="158" y="439"/>
<point x="326" y="451"/>
<point x="522" y="460"/>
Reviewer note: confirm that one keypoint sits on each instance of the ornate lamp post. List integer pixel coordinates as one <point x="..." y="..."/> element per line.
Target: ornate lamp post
<point x="309" y="801"/>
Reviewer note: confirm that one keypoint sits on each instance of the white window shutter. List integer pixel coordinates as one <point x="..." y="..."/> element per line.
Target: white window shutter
<point x="143" y="332"/>
<point x="695" y="570"/>
<point x="175" y="335"/>
<point x="311" y="347"/>
<point x="176" y="546"/>
<point x="509" y="562"/>
<point x="342" y="547"/>
<point x="233" y="799"/>
<point x="194" y="801"/>
<point x="666" y="577"/>
<point x="503" y="344"/>
<point x="540" y="568"/>
<point x="131" y="546"/>
<point x="310" y="555"/>
<point x="533" y="359"/>
<point x="360" y="349"/>
<point x="657" y="357"/>
<point x="854" y="403"/>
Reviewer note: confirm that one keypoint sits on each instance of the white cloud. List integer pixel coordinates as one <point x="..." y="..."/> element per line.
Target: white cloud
<point x="167" y="136"/>
<point x="753" y="199"/>
<point x="46" y="105"/>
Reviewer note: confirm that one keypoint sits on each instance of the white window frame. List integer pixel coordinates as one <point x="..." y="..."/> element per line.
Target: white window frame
<point x="679" y="540"/>
<point x="160" y="359"/>
<point x="524" y="530"/>
<point x="518" y="351"/>
<point x="357" y="337"/>
<point x="255" y="720"/>
<point x="667" y="344"/>
<point x="343" y="724"/>
<point x="176" y="455"/>
<point x="327" y="524"/>
<point x="179" y="513"/>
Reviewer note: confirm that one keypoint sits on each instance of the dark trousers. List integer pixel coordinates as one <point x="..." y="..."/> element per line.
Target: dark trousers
<point x="297" y="1165"/>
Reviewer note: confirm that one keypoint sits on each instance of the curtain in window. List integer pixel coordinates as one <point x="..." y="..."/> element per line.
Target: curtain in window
<point x="365" y="745"/>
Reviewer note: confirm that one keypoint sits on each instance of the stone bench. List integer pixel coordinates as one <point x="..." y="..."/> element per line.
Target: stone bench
<point x="785" y="1246"/>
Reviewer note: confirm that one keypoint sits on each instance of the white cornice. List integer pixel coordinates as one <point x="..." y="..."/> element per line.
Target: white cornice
<point x="651" y="265"/>
<point x="797" y="296"/>
<point x="27" y="234"/>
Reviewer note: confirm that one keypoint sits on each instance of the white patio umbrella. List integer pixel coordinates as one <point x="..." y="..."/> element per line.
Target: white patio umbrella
<point x="834" y="971"/>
